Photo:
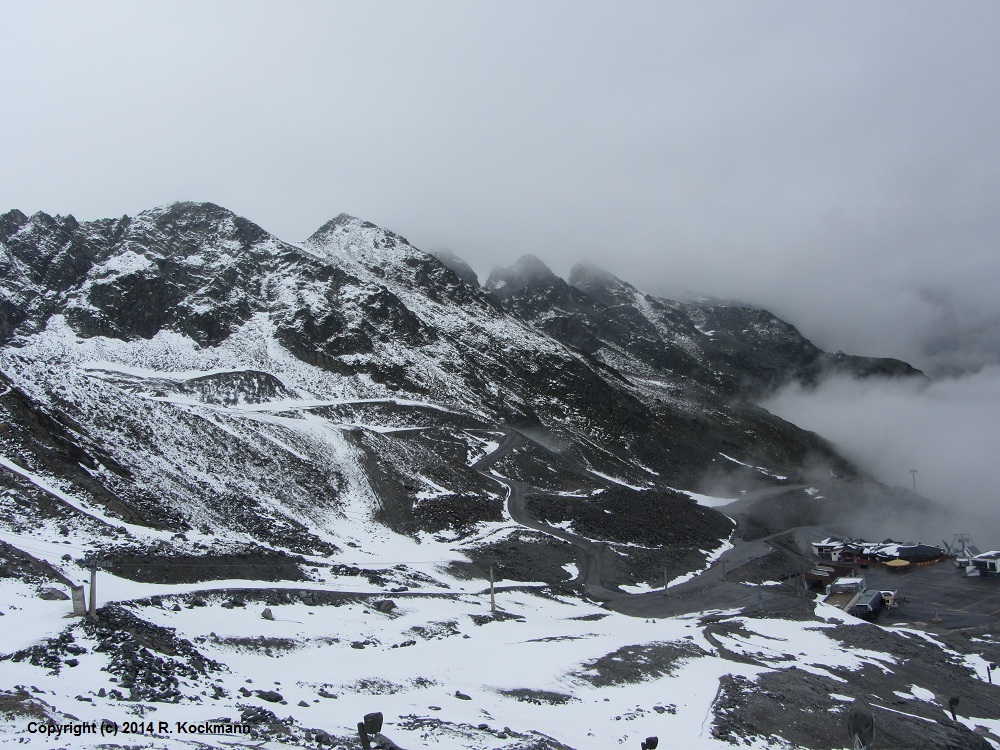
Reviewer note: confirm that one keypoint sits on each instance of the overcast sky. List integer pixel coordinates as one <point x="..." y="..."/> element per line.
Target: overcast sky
<point x="838" y="163"/>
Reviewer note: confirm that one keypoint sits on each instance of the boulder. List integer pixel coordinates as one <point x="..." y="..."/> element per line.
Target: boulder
<point x="385" y="606"/>
<point x="267" y="614"/>
<point x="52" y="595"/>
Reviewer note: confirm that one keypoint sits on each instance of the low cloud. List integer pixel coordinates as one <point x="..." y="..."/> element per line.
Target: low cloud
<point x="946" y="430"/>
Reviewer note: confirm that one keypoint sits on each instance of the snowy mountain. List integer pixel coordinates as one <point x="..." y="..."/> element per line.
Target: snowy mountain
<point x="189" y="326"/>
<point x="223" y="421"/>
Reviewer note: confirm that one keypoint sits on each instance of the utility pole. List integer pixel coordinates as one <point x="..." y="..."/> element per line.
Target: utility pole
<point x="913" y="473"/>
<point x="92" y="612"/>
<point x="493" y="598"/>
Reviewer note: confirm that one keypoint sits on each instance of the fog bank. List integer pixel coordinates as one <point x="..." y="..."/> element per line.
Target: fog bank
<point x="948" y="430"/>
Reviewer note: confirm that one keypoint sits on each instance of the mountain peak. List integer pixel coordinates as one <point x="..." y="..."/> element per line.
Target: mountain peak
<point x="530" y="265"/>
<point x="347" y="222"/>
<point x="340" y="220"/>
<point x="197" y="221"/>
<point x="462" y="269"/>
<point x="188" y="209"/>
<point x="603" y="286"/>
<point x="11" y="221"/>
<point x="526" y="271"/>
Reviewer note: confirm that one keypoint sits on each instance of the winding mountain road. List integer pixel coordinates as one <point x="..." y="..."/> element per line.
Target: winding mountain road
<point x="589" y="575"/>
<point x="707" y="590"/>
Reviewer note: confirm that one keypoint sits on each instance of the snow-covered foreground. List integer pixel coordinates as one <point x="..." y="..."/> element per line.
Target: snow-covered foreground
<point x="443" y="672"/>
<point x="545" y="650"/>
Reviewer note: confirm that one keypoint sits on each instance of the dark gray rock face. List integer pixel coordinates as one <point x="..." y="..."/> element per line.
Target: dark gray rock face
<point x="731" y="349"/>
<point x="462" y="269"/>
<point x="598" y="376"/>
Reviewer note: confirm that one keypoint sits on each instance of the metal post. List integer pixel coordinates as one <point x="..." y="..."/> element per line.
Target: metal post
<point x="913" y="473"/>
<point x="493" y="598"/>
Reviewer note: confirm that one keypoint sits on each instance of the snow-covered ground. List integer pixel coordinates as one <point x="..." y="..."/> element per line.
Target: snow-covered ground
<point x="558" y="668"/>
<point x="536" y="673"/>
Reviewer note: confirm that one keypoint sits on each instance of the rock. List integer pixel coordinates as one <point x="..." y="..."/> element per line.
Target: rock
<point x="462" y="696"/>
<point x="102" y="693"/>
<point x="357" y="644"/>
<point x="271" y="696"/>
<point x="385" y="606"/>
<point x="52" y="595"/>
<point x="72" y="662"/>
<point x="324" y="694"/>
<point x="303" y="704"/>
<point x="267" y="614"/>
<point x="176" y="608"/>
<point x="244" y="692"/>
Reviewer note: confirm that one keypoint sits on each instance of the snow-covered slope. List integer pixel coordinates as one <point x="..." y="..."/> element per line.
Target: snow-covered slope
<point x="194" y="405"/>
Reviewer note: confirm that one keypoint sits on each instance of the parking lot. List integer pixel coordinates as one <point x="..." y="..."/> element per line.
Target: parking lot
<point x="937" y="595"/>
